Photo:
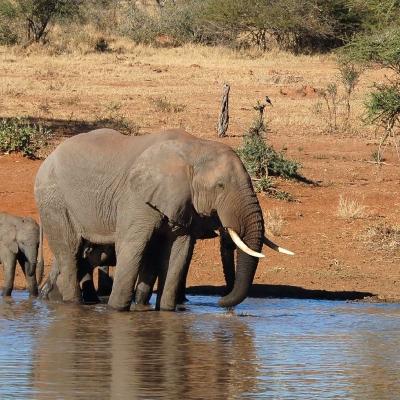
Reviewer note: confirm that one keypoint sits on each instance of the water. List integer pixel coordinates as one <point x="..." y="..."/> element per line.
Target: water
<point x="266" y="348"/>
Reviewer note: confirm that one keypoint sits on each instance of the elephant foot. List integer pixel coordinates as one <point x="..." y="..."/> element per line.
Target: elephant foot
<point x="47" y="289"/>
<point x="118" y="306"/>
<point x="6" y="292"/>
<point x="141" y="307"/>
<point x="167" y="308"/>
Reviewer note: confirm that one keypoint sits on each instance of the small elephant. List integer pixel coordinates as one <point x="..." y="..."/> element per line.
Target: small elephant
<point x="90" y="257"/>
<point x="19" y="241"/>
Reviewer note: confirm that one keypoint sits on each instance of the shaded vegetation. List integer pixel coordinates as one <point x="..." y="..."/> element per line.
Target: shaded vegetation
<point x="379" y="46"/>
<point x="20" y="135"/>
<point x="262" y="161"/>
<point x="300" y="26"/>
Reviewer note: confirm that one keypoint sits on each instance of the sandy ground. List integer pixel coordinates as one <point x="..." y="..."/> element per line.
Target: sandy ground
<point x="335" y="257"/>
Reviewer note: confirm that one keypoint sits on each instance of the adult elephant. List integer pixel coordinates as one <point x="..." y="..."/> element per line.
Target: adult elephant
<point x="105" y="187"/>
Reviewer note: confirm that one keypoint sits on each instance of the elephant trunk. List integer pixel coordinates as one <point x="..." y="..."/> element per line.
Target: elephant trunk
<point x="40" y="262"/>
<point x="250" y="227"/>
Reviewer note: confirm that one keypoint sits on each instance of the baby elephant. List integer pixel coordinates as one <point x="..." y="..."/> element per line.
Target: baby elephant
<point x="89" y="257"/>
<point x="19" y="241"/>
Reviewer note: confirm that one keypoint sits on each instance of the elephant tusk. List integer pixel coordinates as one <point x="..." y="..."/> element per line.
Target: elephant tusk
<point x="239" y="243"/>
<point x="277" y="248"/>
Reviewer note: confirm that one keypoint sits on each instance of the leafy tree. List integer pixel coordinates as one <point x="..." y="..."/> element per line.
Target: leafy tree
<point x="298" y="25"/>
<point x="380" y="47"/>
<point x="35" y="17"/>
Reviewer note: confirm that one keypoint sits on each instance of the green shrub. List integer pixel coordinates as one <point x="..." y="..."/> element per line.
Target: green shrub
<point x="261" y="159"/>
<point x="8" y="35"/>
<point x="31" y="20"/>
<point x="381" y="48"/>
<point x="19" y="135"/>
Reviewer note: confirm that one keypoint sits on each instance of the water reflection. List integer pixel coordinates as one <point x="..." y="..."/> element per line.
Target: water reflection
<point x="144" y="355"/>
<point x="286" y="349"/>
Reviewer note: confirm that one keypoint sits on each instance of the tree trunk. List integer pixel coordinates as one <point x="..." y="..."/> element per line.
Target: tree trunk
<point x="224" y="113"/>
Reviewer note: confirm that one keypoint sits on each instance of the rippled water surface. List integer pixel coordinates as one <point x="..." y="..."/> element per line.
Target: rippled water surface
<point x="266" y="348"/>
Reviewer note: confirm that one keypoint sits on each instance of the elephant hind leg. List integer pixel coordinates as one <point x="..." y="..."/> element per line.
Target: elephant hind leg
<point x="150" y="269"/>
<point x="64" y="243"/>
<point x="9" y="261"/>
<point x="178" y="264"/>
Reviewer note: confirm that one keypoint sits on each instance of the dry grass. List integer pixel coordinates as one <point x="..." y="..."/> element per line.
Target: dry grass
<point x="350" y="208"/>
<point x="274" y="221"/>
<point x="83" y="83"/>
<point x="164" y="105"/>
<point x="383" y="237"/>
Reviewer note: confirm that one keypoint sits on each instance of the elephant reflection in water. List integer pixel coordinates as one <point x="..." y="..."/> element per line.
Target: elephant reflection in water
<point x="152" y="355"/>
<point x="72" y="355"/>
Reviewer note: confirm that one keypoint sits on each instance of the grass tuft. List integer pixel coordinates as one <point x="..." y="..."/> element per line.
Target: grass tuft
<point x="350" y="209"/>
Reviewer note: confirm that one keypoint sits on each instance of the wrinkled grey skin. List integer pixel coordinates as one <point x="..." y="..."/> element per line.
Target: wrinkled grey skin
<point x="109" y="188"/>
<point x="19" y="241"/>
<point x="90" y="257"/>
<point x="148" y="276"/>
<point x="103" y="256"/>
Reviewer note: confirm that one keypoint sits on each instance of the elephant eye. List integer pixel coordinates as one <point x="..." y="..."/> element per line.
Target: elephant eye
<point x="220" y="185"/>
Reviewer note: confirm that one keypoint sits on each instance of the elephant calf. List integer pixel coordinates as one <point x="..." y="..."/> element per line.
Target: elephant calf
<point x="89" y="257"/>
<point x="19" y="241"/>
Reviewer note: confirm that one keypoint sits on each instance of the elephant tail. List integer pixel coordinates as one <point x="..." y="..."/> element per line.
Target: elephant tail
<point x="40" y="262"/>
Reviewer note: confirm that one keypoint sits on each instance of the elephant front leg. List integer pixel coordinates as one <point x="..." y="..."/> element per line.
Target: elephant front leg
<point x="146" y="281"/>
<point x="179" y="261"/>
<point x="181" y="296"/>
<point x="9" y="261"/>
<point x="155" y="258"/>
<point x="30" y="280"/>
<point x="50" y="289"/>
<point x="129" y="258"/>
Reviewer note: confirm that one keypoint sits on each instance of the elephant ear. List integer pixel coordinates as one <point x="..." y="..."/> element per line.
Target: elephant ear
<point x="161" y="178"/>
<point x="8" y="239"/>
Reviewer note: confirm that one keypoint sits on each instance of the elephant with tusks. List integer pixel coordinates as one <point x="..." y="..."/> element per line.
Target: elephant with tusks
<point x="151" y="196"/>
